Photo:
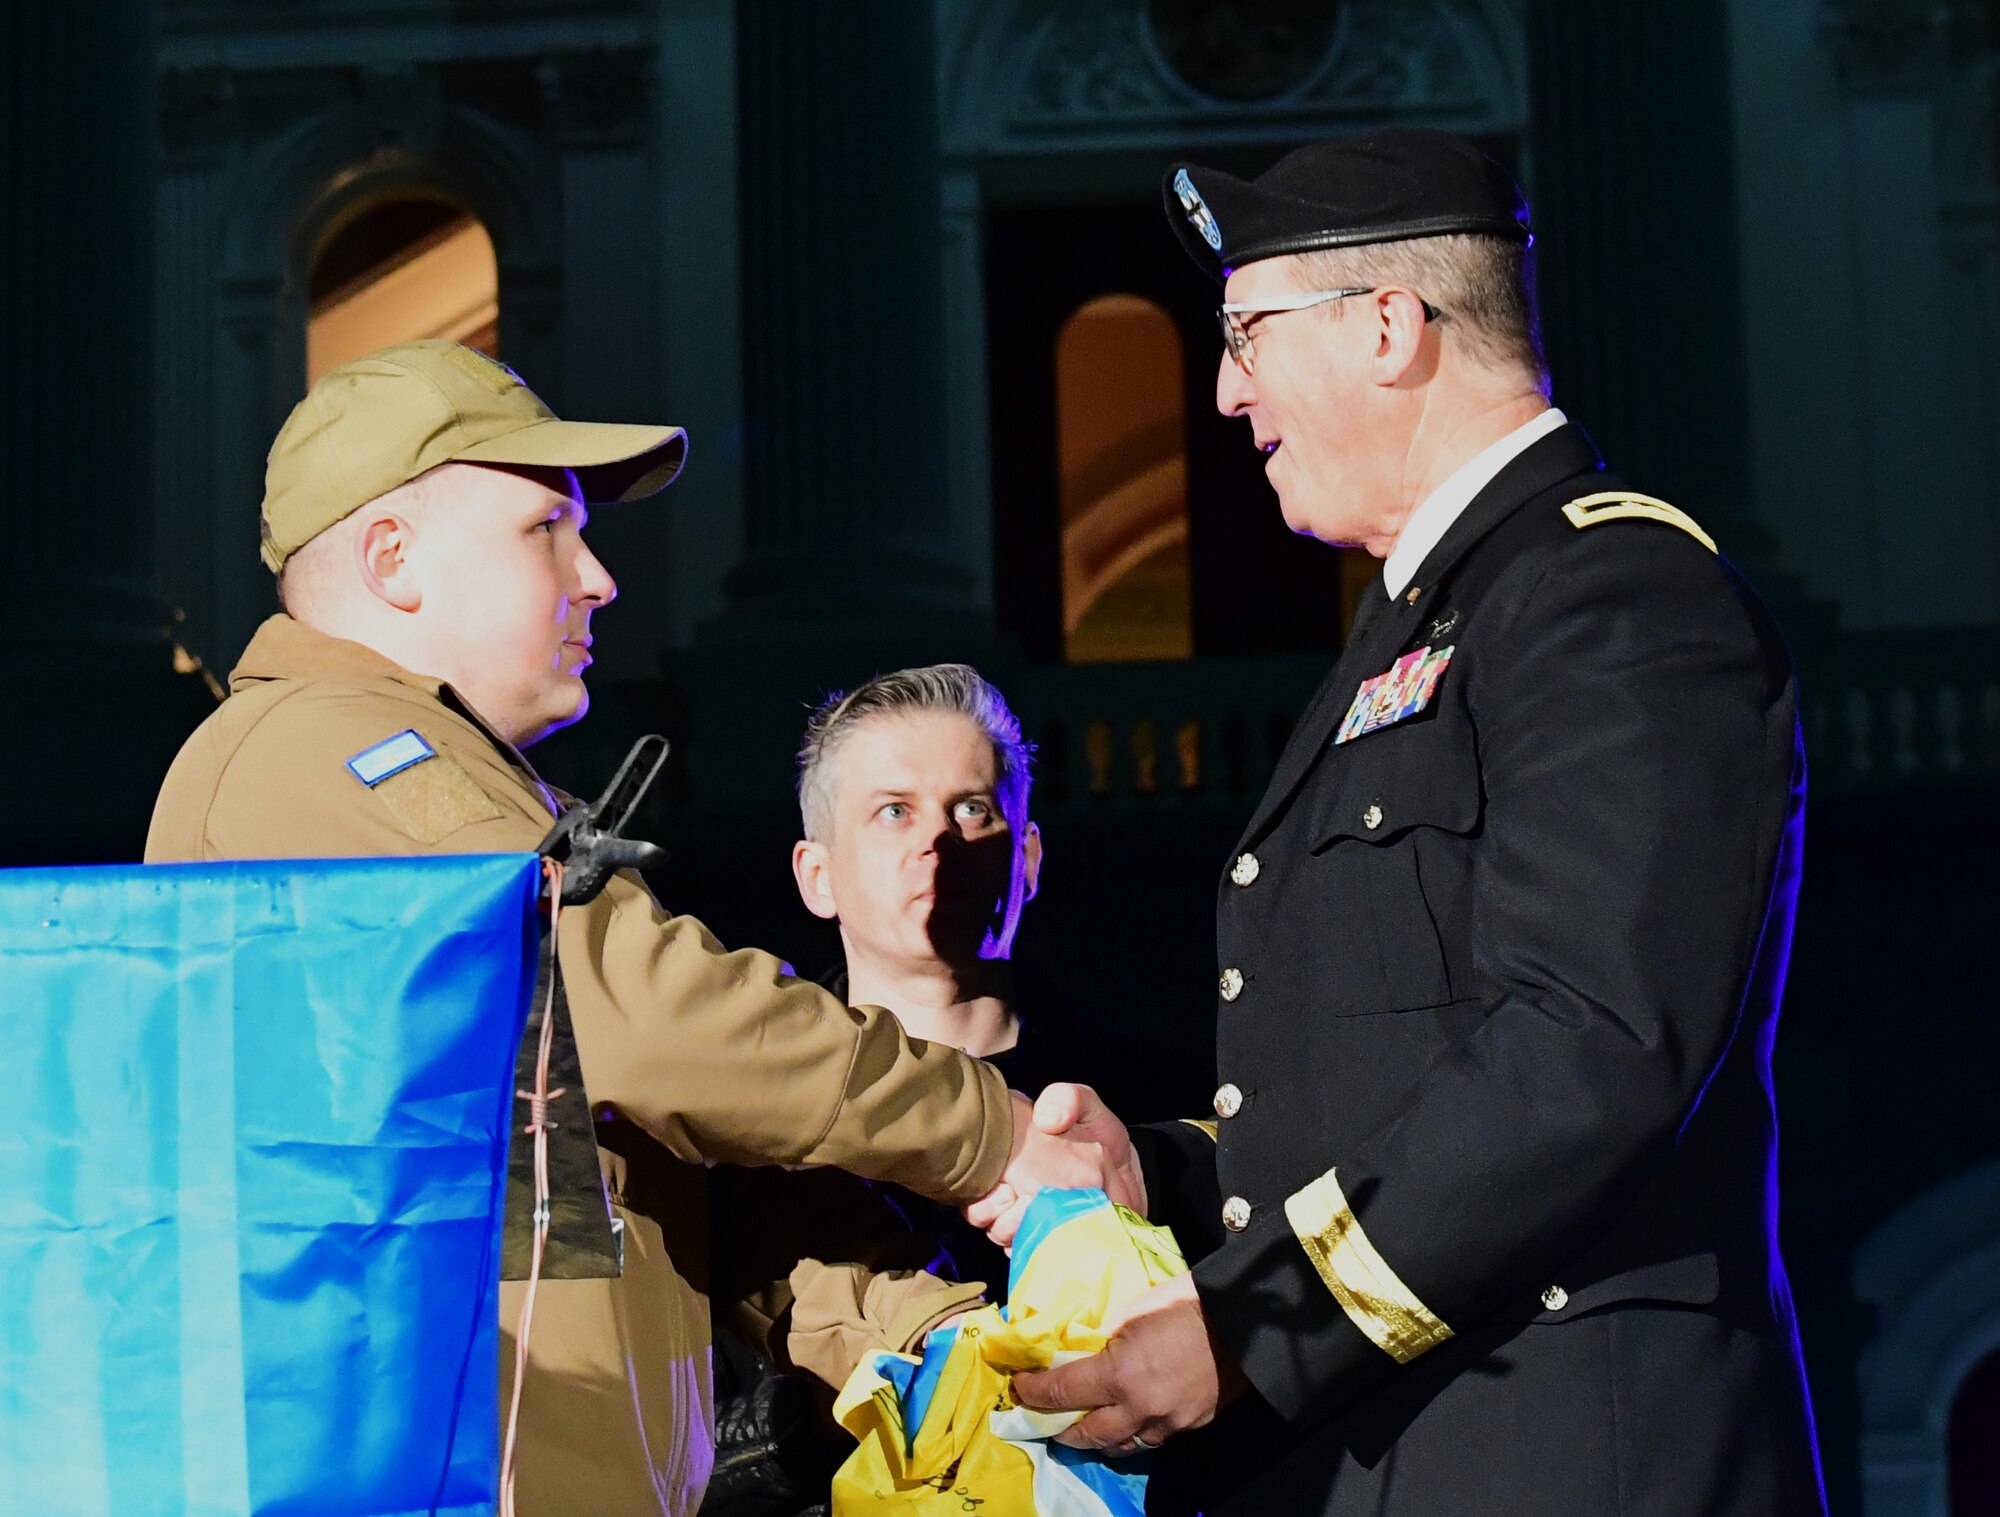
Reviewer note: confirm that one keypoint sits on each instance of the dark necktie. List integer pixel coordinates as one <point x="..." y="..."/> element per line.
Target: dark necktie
<point x="1374" y="600"/>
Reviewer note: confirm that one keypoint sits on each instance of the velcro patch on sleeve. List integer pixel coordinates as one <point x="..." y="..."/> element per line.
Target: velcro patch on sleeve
<point x="390" y="757"/>
<point x="430" y="801"/>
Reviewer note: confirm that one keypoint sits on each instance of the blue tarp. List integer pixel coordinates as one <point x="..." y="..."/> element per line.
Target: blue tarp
<point x="253" y="1137"/>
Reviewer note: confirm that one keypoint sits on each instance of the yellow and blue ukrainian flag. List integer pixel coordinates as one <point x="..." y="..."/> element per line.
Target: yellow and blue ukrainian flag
<point x="941" y="1432"/>
<point x="253" y="1153"/>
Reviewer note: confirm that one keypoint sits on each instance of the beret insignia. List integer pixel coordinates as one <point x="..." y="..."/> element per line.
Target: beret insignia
<point x="1199" y="216"/>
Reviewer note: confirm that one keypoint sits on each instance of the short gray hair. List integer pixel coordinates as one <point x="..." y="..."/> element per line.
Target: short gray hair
<point x="1482" y="284"/>
<point x="956" y="688"/>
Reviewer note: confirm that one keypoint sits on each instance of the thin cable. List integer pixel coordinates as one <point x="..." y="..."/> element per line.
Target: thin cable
<point x="538" y="1127"/>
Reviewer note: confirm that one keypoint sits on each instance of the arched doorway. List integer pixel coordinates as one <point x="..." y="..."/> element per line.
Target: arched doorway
<point x="1054" y="125"/>
<point x="410" y="263"/>
<point x="1930" y="1373"/>
<point x="1972" y="1442"/>
<point x="1121" y="444"/>
<point x="1253" y="587"/>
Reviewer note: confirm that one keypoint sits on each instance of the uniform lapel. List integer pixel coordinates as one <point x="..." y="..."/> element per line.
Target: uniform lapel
<point x="1328" y="705"/>
<point x="1563" y="454"/>
<point x="1382" y="627"/>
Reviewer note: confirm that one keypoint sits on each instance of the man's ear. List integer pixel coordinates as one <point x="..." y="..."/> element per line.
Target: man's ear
<point x="1402" y="357"/>
<point x="1031" y="862"/>
<point x="383" y="557"/>
<point x="814" y="875"/>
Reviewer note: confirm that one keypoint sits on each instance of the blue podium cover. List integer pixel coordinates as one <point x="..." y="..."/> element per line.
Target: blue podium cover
<point x="253" y="1148"/>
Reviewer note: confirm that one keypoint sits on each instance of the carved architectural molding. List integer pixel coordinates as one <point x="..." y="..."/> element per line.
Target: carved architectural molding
<point x="1889" y="45"/>
<point x="1968" y="136"/>
<point x="1439" y="59"/>
<point x="1930" y="1275"/>
<point x="198" y="113"/>
<point x="1093" y="64"/>
<point x="268" y="33"/>
<point x="1948" y="51"/>
<point x="1038" y="76"/>
<point x="1243" y="50"/>
<point x="188" y="15"/>
<point x="599" y="98"/>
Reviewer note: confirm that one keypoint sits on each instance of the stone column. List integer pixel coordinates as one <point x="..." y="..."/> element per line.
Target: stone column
<point x="94" y="709"/>
<point x="967" y="406"/>
<point x="76" y="326"/>
<point x="847" y="526"/>
<point x="1632" y="156"/>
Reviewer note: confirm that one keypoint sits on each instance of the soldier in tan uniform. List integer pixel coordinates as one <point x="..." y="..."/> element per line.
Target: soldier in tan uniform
<point x="424" y="511"/>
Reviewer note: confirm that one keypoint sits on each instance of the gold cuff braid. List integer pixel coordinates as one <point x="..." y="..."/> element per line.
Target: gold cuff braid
<point x="1368" y="1290"/>
<point x="1203" y="1124"/>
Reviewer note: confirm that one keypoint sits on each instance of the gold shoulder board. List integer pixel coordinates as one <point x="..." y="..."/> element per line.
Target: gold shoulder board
<point x="1618" y="505"/>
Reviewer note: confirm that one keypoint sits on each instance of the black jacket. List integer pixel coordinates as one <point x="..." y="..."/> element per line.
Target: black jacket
<point x="1502" y="1153"/>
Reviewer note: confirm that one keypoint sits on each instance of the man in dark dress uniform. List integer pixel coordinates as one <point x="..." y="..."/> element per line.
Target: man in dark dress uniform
<point x="1500" y="952"/>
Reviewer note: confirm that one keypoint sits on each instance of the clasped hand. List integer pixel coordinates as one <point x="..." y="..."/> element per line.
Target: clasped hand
<point x="1066" y="1140"/>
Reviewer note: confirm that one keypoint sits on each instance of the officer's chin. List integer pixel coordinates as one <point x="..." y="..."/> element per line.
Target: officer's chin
<point x="1297" y="521"/>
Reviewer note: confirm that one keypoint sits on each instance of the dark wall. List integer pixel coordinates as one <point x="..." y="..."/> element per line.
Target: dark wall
<point x="93" y="709"/>
<point x="1886" y="1057"/>
<point x="1635" y="200"/>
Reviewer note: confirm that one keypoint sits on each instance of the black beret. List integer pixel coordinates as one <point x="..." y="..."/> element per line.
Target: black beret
<point x="1383" y="186"/>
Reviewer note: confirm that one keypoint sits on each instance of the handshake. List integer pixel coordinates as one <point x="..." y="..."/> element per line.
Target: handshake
<point x="1163" y="1372"/>
<point x="1065" y="1139"/>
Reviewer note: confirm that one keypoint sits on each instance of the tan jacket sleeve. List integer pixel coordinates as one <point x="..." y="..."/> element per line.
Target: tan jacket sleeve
<point x="724" y="1055"/>
<point x="841" y="1311"/>
<point x="718" y="1055"/>
<point x="827" y="1314"/>
<point x="815" y="1268"/>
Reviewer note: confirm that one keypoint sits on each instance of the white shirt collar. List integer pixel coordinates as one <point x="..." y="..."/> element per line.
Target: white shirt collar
<point x="1433" y="518"/>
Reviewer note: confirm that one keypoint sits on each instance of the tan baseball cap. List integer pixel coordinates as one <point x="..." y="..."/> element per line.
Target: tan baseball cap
<point x="380" y="421"/>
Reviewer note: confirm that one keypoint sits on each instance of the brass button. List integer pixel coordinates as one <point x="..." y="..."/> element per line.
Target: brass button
<point x="1228" y="1102"/>
<point x="1236" y="1214"/>
<point x="1555" y="1298"/>
<point x="1245" y="870"/>
<point x="1232" y="983"/>
<point x="1372" y="818"/>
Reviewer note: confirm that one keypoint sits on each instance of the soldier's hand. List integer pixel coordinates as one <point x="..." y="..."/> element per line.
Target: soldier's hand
<point x="1160" y="1374"/>
<point x="1067" y="1140"/>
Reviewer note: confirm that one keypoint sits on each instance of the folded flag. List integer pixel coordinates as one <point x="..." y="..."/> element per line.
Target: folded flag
<point x="942" y="1432"/>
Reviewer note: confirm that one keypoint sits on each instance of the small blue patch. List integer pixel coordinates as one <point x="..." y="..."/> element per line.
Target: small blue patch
<point x="392" y="755"/>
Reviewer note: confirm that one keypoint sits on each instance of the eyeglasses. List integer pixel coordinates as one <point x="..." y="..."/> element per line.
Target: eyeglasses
<point x="1236" y="317"/>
